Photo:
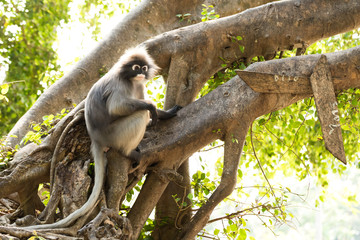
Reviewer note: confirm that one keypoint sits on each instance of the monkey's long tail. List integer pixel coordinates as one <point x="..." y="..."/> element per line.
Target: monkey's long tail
<point x="100" y="165"/>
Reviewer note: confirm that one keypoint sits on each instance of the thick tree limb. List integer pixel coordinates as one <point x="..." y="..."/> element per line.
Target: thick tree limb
<point x="234" y="141"/>
<point x="265" y="30"/>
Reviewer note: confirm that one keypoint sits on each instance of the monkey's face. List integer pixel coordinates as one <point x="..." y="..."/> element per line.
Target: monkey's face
<point x="135" y="70"/>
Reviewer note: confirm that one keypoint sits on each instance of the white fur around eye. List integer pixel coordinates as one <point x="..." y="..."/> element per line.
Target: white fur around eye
<point x="145" y="68"/>
<point x="135" y="67"/>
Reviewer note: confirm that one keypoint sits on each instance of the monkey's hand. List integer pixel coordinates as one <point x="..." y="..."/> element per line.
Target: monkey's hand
<point x="169" y="113"/>
<point x="153" y="112"/>
<point x="174" y="110"/>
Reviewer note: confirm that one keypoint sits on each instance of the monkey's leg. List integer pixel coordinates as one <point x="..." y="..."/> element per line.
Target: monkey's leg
<point x="126" y="133"/>
<point x="132" y="107"/>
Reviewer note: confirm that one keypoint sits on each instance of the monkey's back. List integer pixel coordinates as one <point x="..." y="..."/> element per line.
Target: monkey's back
<point x="96" y="114"/>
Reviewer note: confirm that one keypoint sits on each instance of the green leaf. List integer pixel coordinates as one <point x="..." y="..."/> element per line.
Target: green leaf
<point x="37" y="127"/>
<point x="243" y="222"/>
<point x="233" y="227"/>
<point x="2" y="97"/>
<point x="240" y="173"/>
<point x="190" y="196"/>
<point x="242" y="48"/>
<point x="242" y="234"/>
<point x="345" y="127"/>
<point x="4" y="88"/>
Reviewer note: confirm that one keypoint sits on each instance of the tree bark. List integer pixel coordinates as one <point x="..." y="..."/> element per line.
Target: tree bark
<point x="172" y="215"/>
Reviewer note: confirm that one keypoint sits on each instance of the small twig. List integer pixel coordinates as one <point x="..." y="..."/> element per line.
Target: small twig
<point x="278" y="189"/>
<point x="206" y="150"/>
<point x="181" y="209"/>
<point x="235" y="214"/>
<point x="258" y="161"/>
<point x="264" y="223"/>
<point x="289" y="147"/>
<point x="203" y="236"/>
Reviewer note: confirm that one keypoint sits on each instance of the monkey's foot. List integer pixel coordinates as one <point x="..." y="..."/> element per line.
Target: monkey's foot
<point x="135" y="157"/>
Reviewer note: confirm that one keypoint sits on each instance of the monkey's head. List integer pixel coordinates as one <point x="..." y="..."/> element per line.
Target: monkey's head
<point x="136" y="64"/>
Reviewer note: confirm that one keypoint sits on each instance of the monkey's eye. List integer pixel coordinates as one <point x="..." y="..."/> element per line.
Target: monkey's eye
<point x="135" y="67"/>
<point x="145" y="68"/>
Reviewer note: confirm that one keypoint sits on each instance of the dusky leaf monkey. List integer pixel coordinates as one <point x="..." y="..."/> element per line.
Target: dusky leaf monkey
<point x="116" y="116"/>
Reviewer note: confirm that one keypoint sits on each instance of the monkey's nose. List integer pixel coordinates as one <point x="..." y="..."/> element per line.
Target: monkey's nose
<point x="139" y="77"/>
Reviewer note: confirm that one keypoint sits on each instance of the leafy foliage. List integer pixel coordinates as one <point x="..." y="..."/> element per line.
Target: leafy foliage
<point x="6" y="154"/>
<point x="221" y="77"/>
<point x="208" y="13"/>
<point x="93" y="12"/>
<point x="41" y="130"/>
<point x="27" y="33"/>
<point x="4" y="90"/>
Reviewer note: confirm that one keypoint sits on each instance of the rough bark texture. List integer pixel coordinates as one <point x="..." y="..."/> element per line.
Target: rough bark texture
<point x="188" y="57"/>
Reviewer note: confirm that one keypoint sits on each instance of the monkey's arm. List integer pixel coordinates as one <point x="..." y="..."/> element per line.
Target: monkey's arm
<point x="120" y="106"/>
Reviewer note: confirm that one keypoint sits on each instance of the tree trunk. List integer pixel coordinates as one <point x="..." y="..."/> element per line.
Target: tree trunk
<point x="173" y="210"/>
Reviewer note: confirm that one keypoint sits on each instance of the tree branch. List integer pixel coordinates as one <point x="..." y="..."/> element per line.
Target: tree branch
<point x="264" y="31"/>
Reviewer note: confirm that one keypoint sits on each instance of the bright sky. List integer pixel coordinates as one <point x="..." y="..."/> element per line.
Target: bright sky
<point x="74" y="38"/>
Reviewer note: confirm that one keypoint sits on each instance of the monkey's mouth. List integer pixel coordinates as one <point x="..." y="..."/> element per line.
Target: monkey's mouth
<point x="139" y="77"/>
